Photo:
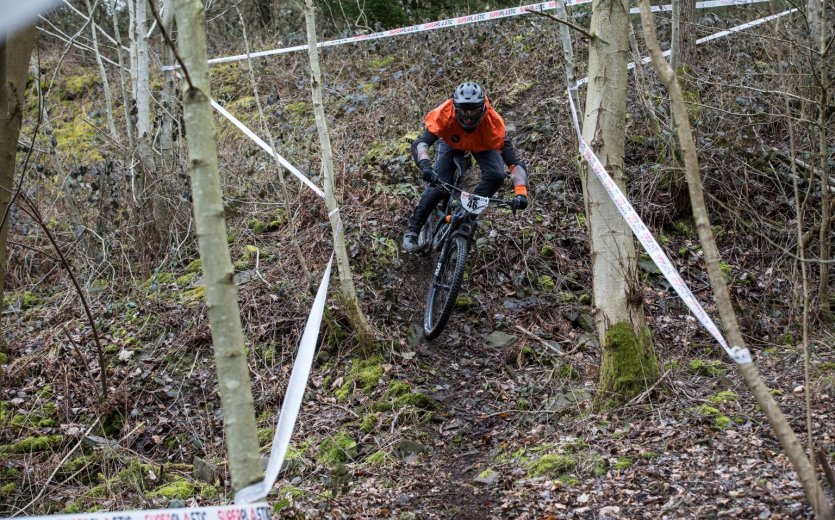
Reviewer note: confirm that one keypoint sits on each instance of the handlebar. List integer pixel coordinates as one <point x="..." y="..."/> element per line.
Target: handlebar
<point x="502" y="203"/>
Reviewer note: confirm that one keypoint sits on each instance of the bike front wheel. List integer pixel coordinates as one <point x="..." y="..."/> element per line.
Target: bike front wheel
<point x="444" y="287"/>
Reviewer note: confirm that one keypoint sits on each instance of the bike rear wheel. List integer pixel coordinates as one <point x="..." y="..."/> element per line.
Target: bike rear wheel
<point x="444" y="287"/>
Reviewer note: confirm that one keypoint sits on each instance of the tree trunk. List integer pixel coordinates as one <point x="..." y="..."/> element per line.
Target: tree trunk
<point x="683" y="38"/>
<point x="169" y="97"/>
<point x="125" y="94"/>
<point x="108" y="100"/>
<point x="363" y="331"/>
<point x="628" y="361"/>
<point x="14" y="62"/>
<point x="221" y="300"/>
<point x="750" y="375"/>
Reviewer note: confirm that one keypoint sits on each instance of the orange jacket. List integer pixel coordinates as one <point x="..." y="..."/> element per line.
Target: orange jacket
<point x="488" y="135"/>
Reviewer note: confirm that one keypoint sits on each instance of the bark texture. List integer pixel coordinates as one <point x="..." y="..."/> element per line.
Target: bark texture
<point x="221" y="299"/>
<point x="616" y="286"/>
<point x="14" y="62"/>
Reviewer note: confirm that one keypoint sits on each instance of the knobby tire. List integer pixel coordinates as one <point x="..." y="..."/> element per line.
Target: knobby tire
<point x="444" y="287"/>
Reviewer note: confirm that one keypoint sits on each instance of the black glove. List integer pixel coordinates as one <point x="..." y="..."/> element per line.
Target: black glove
<point x="428" y="172"/>
<point x="520" y="202"/>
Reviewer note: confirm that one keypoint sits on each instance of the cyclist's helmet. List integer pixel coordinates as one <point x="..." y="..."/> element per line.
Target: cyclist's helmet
<point x="469" y="103"/>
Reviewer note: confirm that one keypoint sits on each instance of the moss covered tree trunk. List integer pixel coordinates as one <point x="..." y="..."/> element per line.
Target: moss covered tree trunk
<point x="348" y="294"/>
<point x="14" y="61"/>
<point x="628" y="362"/>
<point x="221" y="299"/>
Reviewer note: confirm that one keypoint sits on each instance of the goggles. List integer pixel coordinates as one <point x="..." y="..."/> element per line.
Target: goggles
<point x="469" y="113"/>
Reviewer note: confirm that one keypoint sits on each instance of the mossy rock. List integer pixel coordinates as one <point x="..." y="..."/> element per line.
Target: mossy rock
<point x="709" y="368"/>
<point x="337" y="449"/>
<point x="551" y="465"/>
<point x="195" y="267"/>
<point x="33" y="444"/>
<point x="367" y="372"/>
<point x="417" y="400"/>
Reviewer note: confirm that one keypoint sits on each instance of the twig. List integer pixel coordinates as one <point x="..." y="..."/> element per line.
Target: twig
<point x="526" y="332"/>
<point x="577" y="28"/>
<point x="36" y="215"/>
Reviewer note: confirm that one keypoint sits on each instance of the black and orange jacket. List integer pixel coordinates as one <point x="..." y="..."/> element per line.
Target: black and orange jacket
<point x="488" y="135"/>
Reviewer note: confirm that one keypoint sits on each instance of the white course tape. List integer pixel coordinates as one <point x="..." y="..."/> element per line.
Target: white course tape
<point x="260" y="142"/>
<point x="720" y="34"/>
<point x="739" y="355"/>
<point x="255" y="511"/>
<point x="292" y="398"/>
<point x="460" y="20"/>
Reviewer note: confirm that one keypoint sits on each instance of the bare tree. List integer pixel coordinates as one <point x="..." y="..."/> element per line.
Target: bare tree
<point x="348" y="292"/>
<point x="221" y="299"/>
<point x="802" y="465"/>
<point x="14" y="61"/>
<point x="628" y="361"/>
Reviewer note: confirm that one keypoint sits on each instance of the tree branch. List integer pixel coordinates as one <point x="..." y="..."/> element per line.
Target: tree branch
<point x="577" y="28"/>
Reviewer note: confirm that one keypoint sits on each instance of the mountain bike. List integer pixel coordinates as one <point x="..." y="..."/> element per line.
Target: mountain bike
<point x="450" y="231"/>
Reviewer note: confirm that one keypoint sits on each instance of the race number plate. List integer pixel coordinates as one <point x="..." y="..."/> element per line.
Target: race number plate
<point x="474" y="203"/>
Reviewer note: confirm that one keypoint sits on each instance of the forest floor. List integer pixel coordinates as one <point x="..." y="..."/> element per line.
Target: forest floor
<point x="495" y="419"/>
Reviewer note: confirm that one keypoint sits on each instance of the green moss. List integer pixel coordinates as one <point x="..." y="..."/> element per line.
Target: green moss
<point x="709" y="368"/>
<point x="546" y="251"/>
<point x="368" y="422"/>
<point x="585" y="298"/>
<point x="706" y="410"/>
<point x="367" y="372"/>
<point x="464" y="302"/>
<point x="551" y="465"/>
<point x="337" y="449"/>
<point x="73" y="87"/>
<point x="186" y="279"/>
<point x="418" y="400"/>
<point x="629" y="367"/>
<point x="383" y="61"/>
<point x="72" y="507"/>
<point x="285" y="497"/>
<point x="195" y="267"/>
<point x="378" y="459"/>
<point x="179" y="488"/>
<point x="79" y="138"/>
<point x="683" y="229"/>
<point x="397" y="388"/>
<point x="193" y="296"/>
<point x="4" y="358"/>
<point x="724" y="396"/>
<point x="8" y="489"/>
<point x="722" y="421"/>
<point x="567" y="371"/>
<point x="33" y="444"/>
<point x="546" y="283"/>
<point x="623" y="462"/>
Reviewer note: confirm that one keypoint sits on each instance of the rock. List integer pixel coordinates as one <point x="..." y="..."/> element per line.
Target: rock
<point x="499" y="339"/>
<point x="586" y="322"/>
<point x="205" y="471"/>
<point x="488" y="477"/>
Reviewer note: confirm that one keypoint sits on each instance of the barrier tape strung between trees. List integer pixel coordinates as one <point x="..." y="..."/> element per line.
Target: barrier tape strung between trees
<point x="454" y="22"/>
<point x="714" y="36"/>
<point x="260" y="142"/>
<point x="254" y="511"/>
<point x="738" y="354"/>
<point x="292" y="397"/>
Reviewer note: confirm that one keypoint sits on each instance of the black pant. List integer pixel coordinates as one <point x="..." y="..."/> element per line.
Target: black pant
<point x="492" y="177"/>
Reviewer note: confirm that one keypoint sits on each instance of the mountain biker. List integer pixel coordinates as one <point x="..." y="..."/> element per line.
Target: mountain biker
<point x="465" y="122"/>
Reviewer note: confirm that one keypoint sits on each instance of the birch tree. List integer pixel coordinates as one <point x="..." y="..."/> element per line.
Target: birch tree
<point x="108" y="100"/>
<point x="628" y="364"/>
<point x="14" y="61"/>
<point x="221" y="299"/>
<point x="348" y="292"/>
<point x="802" y="465"/>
